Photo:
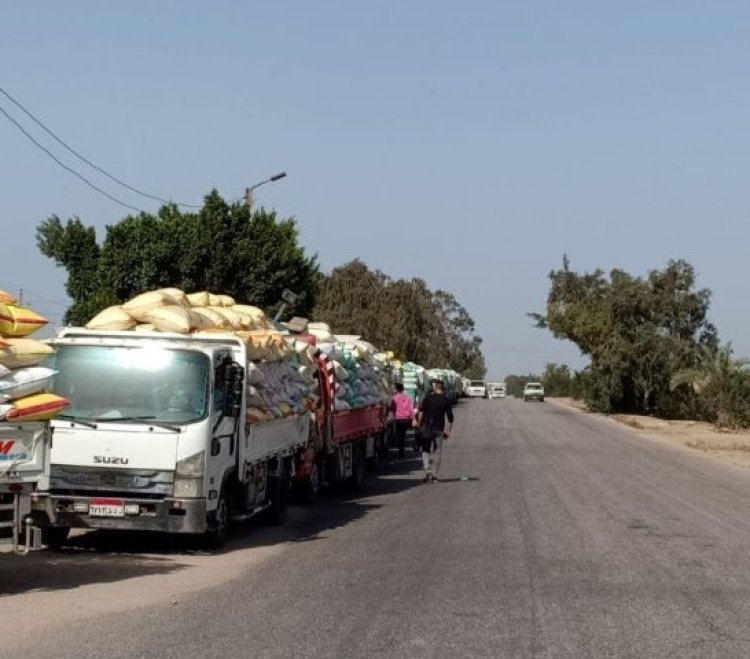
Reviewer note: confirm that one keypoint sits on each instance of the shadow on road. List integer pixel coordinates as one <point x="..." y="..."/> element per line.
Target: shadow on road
<point x="48" y="571"/>
<point x="108" y="556"/>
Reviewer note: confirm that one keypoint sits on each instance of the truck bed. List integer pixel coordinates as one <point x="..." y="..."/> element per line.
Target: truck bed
<point x="278" y="437"/>
<point x="361" y="422"/>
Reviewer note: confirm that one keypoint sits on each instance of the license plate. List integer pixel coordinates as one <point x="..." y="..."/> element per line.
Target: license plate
<point x="106" y="508"/>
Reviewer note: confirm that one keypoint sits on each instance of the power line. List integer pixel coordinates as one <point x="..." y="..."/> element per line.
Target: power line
<point x="86" y="160"/>
<point x="64" y="166"/>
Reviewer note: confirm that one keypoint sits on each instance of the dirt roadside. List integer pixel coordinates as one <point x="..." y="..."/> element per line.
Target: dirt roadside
<point x="703" y="438"/>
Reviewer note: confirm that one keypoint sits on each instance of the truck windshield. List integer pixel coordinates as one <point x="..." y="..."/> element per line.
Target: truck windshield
<point x="137" y="385"/>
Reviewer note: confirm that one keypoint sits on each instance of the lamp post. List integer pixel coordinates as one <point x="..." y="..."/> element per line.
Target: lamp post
<point x="249" y="191"/>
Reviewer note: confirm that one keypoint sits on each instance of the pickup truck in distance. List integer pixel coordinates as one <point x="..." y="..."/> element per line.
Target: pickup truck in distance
<point x="533" y="391"/>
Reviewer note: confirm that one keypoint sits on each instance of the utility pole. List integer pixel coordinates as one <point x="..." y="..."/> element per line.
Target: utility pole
<point x="20" y="297"/>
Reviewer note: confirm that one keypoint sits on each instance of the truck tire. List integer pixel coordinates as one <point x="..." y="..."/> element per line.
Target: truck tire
<point x="358" y="467"/>
<point x="307" y="490"/>
<point x="216" y="536"/>
<point x="278" y="489"/>
<point x="55" y="536"/>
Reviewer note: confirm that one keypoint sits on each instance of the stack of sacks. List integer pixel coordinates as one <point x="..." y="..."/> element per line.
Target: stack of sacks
<point x="414" y="379"/>
<point x="172" y="310"/>
<point x="22" y="381"/>
<point x="359" y="381"/>
<point x="278" y="389"/>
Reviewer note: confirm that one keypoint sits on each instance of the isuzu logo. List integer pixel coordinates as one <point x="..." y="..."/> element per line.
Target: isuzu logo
<point x="110" y="460"/>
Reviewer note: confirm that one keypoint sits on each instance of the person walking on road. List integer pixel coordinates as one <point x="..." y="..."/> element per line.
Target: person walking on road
<point x="431" y="429"/>
<point x="403" y="415"/>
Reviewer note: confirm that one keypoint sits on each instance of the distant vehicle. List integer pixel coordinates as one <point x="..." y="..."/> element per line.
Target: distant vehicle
<point x="477" y="389"/>
<point x="496" y="390"/>
<point x="533" y="391"/>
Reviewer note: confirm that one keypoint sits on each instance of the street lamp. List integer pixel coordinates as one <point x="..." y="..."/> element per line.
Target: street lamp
<point x="249" y="191"/>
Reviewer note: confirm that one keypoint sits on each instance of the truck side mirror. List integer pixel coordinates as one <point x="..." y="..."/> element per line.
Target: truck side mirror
<point x="234" y="381"/>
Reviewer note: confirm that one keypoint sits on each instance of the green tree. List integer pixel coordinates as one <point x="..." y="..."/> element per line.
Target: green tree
<point x="428" y="327"/>
<point x="637" y="332"/>
<point x="225" y="248"/>
<point x="722" y="385"/>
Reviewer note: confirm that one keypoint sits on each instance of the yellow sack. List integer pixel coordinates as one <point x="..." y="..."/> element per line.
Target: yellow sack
<point x="112" y="318"/>
<point x="226" y="300"/>
<point x="258" y="317"/>
<point x="7" y="298"/>
<point x="39" y="407"/>
<point x="173" y="318"/>
<point x="214" y="300"/>
<point x="18" y="321"/>
<point x="140" y="305"/>
<point x="18" y="353"/>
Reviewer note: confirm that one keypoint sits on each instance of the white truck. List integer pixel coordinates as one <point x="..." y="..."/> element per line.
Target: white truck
<point x="24" y="456"/>
<point x="156" y="438"/>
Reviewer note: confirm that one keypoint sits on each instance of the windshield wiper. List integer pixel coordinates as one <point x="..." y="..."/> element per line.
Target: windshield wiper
<point x="158" y="424"/>
<point x="77" y="419"/>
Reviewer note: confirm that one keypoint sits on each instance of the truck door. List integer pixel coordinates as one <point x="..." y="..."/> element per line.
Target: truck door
<point x="224" y="446"/>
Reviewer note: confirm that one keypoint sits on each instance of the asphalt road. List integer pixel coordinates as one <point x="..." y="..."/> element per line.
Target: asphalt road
<point x="553" y="534"/>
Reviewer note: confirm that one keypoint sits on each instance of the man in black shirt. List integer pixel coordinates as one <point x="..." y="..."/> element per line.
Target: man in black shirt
<point x="430" y="422"/>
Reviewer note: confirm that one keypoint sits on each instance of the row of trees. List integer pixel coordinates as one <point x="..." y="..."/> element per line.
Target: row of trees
<point x="254" y="256"/>
<point x="426" y="326"/>
<point x="650" y="345"/>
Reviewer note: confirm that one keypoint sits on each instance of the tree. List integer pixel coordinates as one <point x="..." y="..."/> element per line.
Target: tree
<point x="428" y="327"/>
<point x="226" y="248"/>
<point x="637" y="331"/>
<point x="722" y="385"/>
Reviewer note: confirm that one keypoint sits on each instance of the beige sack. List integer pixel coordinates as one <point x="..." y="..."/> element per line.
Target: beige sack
<point x="212" y="318"/>
<point x="173" y="318"/>
<point x="200" y="299"/>
<point x="140" y="305"/>
<point x="177" y="295"/>
<point x="23" y="352"/>
<point x="112" y="318"/>
<point x="226" y="300"/>
<point x="235" y="320"/>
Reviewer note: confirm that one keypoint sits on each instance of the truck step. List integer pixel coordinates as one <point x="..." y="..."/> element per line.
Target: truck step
<point x="252" y="513"/>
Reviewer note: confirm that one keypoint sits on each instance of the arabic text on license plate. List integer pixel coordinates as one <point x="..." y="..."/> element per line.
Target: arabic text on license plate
<point x="106" y="508"/>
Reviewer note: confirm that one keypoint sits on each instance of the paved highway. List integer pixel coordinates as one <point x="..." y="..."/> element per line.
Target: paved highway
<point x="553" y="534"/>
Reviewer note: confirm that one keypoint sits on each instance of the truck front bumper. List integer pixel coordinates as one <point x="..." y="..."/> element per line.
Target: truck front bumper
<point x="169" y="515"/>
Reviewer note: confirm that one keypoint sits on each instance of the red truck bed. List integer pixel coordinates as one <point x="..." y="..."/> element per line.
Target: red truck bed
<point x="350" y="424"/>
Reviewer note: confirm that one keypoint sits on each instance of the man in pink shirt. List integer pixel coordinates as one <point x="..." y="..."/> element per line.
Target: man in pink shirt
<point x="403" y="413"/>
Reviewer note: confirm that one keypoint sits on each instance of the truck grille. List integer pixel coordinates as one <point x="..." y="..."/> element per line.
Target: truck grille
<point x="110" y="482"/>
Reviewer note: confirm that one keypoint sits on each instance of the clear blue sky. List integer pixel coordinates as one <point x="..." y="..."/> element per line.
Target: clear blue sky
<point x="471" y="144"/>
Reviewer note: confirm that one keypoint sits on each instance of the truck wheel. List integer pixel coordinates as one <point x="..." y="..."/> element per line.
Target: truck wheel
<point x="216" y="536"/>
<point x="55" y="536"/>
<point x="278" y="489"/>
<point x="541" y="400"/>
<point x="358" y="467"/>
<point x="307" y="490"/>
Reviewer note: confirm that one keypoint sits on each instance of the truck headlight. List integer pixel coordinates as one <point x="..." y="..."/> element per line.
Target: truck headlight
<point x="190" y="488"/>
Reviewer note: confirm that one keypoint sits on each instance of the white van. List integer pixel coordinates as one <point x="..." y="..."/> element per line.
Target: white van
<point x="477" y="389"/>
